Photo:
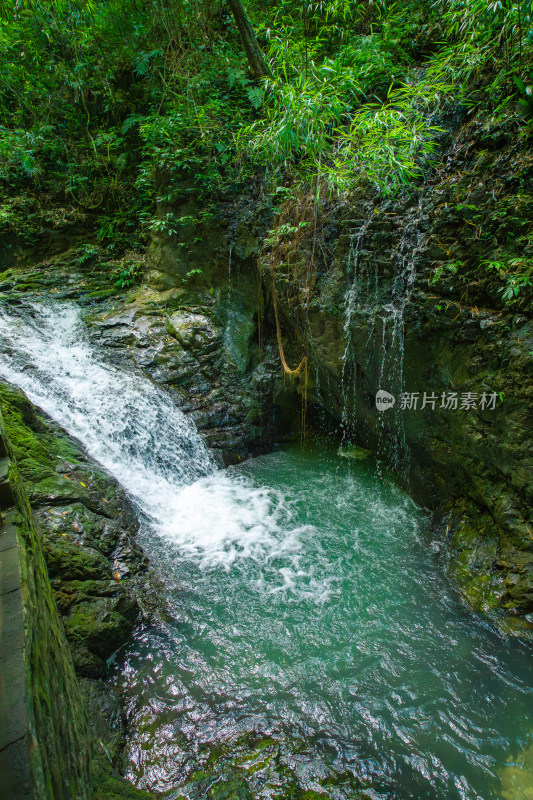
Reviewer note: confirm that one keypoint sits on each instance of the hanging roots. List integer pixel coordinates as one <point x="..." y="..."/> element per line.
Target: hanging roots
<point x="302" y="366"/>
<point x="304" y="270"/>
<point x="302" y="370"/>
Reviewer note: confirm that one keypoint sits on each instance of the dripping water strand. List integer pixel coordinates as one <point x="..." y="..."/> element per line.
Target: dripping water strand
<point x="351" y="299"/>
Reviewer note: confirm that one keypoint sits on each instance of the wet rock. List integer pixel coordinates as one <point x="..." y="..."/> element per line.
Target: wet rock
<point x="97" y="626"/>
<point x="73" y="561"/>
<point x="87" y="527"/>
<point x="355" y="452"/>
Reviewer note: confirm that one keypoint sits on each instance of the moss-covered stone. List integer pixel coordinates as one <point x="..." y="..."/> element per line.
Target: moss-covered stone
<point x="73" y="562"/>
<point x="110" y="785"/>
<point x="96" y="626"/>
<point x="230" y="787"/>
<point x="64" y="756"/>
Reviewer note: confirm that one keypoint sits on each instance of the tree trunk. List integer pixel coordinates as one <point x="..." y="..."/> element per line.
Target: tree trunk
<point x="255" y="57"/>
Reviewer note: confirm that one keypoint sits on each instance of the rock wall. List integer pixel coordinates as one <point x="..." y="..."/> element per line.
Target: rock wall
<point x="62" y="612"/>
<point x="46" y="748"/>
<point x="397" y="294"/>
<point x="405" y="298"/>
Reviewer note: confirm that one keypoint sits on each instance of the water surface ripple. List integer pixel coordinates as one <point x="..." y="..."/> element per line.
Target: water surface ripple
<point x="307" y="601"/>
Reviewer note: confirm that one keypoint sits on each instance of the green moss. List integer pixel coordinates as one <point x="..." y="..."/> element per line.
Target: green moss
<point x="102" y="294"/>
<point x="32" y="456"/>
<point x="111" y="786"/>
<point x="480" y="593"/>
<point x="36" y="449"/>
<point x="68" y="560"/>
<point x="57" y="488"/>
<point x="476" y="546"/>
<point x="231" y="788"/>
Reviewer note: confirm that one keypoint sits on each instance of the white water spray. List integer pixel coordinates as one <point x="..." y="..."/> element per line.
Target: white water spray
<point x="135" y="430"/>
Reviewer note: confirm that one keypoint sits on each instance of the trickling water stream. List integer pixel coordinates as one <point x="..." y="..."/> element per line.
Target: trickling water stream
<point x="307" y="600"/>
<point x="379" y="303"/>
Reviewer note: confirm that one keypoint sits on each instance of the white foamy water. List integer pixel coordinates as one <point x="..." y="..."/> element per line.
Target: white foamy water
<point x="135" y="430"/>
<point x="305" y="604"/>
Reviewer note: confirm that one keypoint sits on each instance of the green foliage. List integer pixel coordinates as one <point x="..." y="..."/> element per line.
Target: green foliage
<point x="452" y="267"/>
<point x="194" y="272"/>
<point x="87" y="254"/>
<point x="335" y="108"/>
<point x="128" y="274"/>
<point x="517" y="275"/>
<point x="284" y="230"/>
<point x="486" y="45"/>
<point x="68" y="82"/>
<point x="526" y="94"/>
<point x="123" y="106"/>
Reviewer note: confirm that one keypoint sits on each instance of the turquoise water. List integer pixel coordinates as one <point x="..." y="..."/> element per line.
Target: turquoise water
<point x="308" y="600"/>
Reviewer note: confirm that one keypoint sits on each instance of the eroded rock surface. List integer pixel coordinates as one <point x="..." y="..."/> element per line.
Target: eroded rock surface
<point x="95" y="566"/>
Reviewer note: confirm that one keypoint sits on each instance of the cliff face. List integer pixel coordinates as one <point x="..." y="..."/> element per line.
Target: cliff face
<point x="406" y="295"/>
<point x="411" y="295"/>
<point x="406" y="299"/>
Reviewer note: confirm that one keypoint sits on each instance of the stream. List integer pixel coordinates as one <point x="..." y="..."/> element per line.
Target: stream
<point x="308" y="601"/>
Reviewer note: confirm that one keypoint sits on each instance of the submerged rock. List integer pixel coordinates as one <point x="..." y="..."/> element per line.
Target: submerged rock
<point x="355" y="452"/>
<point x="517" y="777"/>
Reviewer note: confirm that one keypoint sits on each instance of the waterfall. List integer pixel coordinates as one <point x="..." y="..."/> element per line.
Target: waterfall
<point x="381" y="307"/>
<point x="351" y="300"/>
<point x="229" y="271"/>
<point x="139" y="435"/>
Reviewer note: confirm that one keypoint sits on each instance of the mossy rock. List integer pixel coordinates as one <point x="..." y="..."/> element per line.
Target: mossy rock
<point x="71" y="562"/>
<point x="354" y="451"/>
<point x="68" y="593"/>
<point x="82" y="525"/>
<point x="233" y="787"/>
<point x="33" y="458"/>
<point x="473" y="567"/>
<point x="109" y="785"/>
<point x="57" y="489"/>
<point x="98" y="627"/>
<point x="103" y="294"/>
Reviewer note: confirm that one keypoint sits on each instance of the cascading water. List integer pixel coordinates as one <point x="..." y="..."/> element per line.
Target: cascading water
<point x="351" y="299"/>
<point x="380" y="306"/>
<point x="229" y="270"/>
<point x="306" y="602"/>
<point x="411" y="243"/>
<point x="137" y="433"/>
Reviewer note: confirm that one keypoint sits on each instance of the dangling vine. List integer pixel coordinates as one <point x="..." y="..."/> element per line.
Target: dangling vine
<point x="296" y="247"/>
<point x="303" y="366"/>
<point x="286" y="369"/>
